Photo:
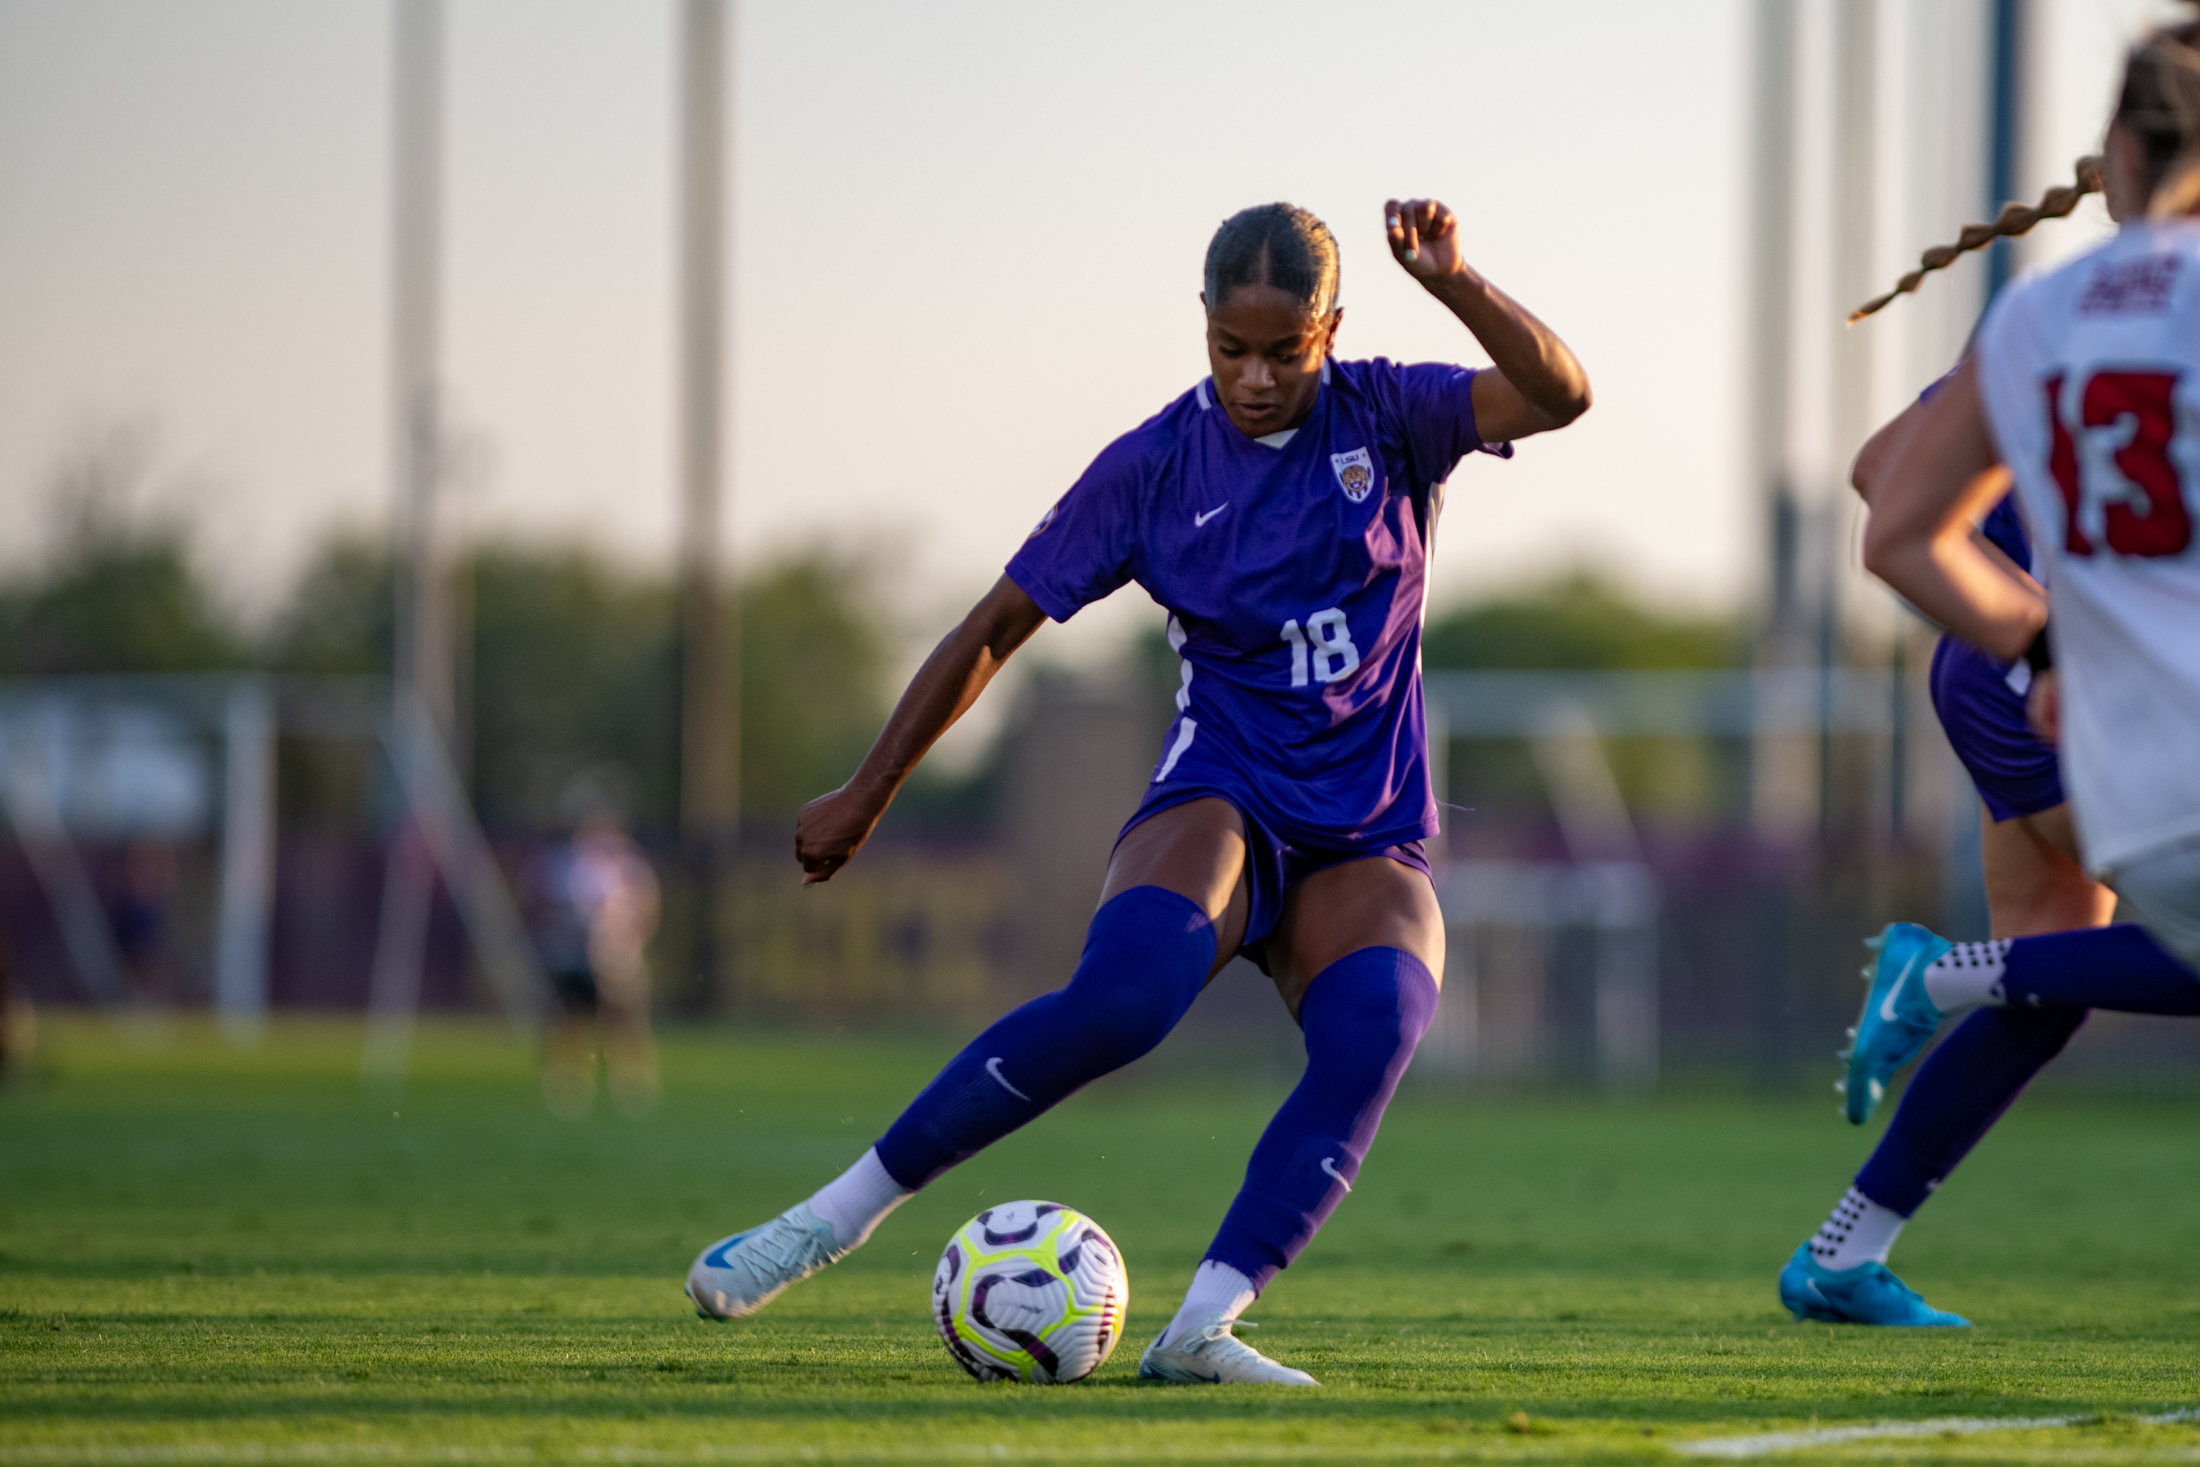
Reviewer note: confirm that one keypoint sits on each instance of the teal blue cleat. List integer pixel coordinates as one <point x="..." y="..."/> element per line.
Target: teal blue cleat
<point x="1866" y="1294"/>
<point x="1899" y="1016"/>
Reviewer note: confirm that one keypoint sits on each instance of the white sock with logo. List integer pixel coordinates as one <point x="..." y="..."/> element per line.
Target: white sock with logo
<point x="1215" y="1286"/>
<point x="1967" y="975"/>
<point x="858" y="1199"/>
<point x="1859" y="1231"/>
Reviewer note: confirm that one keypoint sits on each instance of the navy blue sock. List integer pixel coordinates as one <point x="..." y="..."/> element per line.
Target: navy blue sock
<point x="2120" y="967"/>
<point x="1147" y="955"/>
<point x="1363" y="1014"/>
<point x="1963" y="1087"/>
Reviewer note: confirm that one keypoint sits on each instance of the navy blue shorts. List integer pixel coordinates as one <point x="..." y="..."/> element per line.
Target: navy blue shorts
<point x="2015" y="773"/>
<point x="1272" y="865"/>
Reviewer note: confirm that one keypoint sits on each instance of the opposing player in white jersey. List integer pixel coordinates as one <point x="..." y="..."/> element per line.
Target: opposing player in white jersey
<point x="2085" y="381"/>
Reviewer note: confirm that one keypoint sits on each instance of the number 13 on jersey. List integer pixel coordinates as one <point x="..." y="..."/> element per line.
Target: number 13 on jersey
<point x="1326" y="644"/>
<point x="2127" y="419"/>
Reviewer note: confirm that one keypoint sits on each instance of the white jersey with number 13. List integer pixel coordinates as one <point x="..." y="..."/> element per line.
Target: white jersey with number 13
<point x="2091" y="376"/>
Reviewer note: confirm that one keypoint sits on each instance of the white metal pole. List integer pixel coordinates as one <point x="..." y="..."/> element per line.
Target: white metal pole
<point x="710" y="683"/>
<point x="248" y="860"/>
<point x="421" y="661"/>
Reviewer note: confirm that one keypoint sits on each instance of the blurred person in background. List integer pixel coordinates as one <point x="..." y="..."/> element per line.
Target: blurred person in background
<point x="594" y="901"/>
<point x="18" y="1020"/>
<point x="139" y="913"/>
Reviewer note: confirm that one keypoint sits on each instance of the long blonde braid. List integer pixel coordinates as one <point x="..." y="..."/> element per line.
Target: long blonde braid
<point x="2013" y="220"/>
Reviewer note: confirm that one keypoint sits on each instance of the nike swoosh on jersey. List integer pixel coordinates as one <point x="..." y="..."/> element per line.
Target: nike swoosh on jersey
<point x="1329" y="1165"/>
<point x="1201" y="519"/>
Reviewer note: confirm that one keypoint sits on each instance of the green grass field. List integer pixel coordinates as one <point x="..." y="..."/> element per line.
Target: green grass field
<point x="208" y="1256"/>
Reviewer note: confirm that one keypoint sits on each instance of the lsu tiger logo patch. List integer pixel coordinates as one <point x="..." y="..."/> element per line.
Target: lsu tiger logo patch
<point x="1355" y="473"/>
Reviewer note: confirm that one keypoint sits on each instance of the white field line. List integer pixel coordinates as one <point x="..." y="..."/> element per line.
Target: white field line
<point x="1790" y="1441"/>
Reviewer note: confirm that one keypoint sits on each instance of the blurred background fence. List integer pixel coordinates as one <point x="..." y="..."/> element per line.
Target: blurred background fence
<point x="1633" y="902"/>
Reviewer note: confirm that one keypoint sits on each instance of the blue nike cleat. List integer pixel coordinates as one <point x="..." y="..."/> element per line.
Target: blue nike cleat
<point x="1866" y="1294"/>
<point x="1898" y="1014"/>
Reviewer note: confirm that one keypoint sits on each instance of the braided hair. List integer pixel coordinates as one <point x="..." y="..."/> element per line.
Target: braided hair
<point x="1274" y="244"/>
<point x="2014" y="219"/>
<point x="2159" y="106"/>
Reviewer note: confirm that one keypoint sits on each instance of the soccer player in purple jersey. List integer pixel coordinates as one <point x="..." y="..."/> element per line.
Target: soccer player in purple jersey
<point x="2052" y="958"/>
<point x="2035" y="883"/>
<point x="1281" y="512"/>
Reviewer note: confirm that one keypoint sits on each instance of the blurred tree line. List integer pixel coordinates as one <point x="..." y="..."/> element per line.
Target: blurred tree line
<point x="1582" y="621"/>
<point x="571" y="667"/>
<point x="570" y="659"/>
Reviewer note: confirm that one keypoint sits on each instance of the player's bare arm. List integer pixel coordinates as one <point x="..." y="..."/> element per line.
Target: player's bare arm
<point x="1880" y="450"/>
<point x="832" y="828"/>
<point x="1537" y="384"/>
<point x="1919" y="539"/>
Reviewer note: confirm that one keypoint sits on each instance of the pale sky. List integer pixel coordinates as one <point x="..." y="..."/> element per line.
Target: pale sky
<point x="966" y="252"/>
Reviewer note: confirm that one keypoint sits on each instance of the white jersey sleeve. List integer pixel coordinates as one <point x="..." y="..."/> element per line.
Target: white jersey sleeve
<point x="2091" y="378"/>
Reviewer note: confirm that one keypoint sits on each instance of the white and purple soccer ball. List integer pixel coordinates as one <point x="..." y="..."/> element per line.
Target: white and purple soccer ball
<point x="1032" y="1292"/>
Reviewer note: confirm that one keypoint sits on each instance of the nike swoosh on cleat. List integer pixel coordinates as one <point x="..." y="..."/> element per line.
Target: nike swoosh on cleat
<point x="993" y="1068"/>
<point x="716" y="1258"/>
<point x="1201" y="519"/>
<point x="1329" y="1165"/>
<point x="1812" y="1285"/>
<point x="1886" y="1005"/>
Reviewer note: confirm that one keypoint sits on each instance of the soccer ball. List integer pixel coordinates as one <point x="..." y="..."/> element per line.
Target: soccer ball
<point x="1030" y="1291"/>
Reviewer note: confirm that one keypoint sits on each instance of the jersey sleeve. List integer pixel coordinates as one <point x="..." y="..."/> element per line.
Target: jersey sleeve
<point x="1435" y="406"/>
<point x="2005" y="353"/>
<point x="1081" y="549"/>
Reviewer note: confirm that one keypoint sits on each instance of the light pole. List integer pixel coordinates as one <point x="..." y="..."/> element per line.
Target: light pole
<point x="421" y="657"/>
<point x="710" y="640"/>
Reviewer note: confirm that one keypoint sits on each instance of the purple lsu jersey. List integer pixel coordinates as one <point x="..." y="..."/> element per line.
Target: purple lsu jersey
<point x="1294" y="577"/>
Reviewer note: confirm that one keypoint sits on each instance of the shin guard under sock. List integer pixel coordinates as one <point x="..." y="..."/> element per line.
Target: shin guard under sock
<point x="1147" y="955"/>
<point x="1363" y="1014"/>
<point x="1963" y="1087"/>
<point x="2120" y="967"/>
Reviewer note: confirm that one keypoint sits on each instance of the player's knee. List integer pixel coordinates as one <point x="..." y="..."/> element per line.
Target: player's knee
<point x="1147" y="955"/>
<point x="1367" y="1011"/>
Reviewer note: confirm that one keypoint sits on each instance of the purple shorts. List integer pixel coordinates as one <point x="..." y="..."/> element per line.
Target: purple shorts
<point x="1272" y="865"/>
<point x="2015" y="773"/>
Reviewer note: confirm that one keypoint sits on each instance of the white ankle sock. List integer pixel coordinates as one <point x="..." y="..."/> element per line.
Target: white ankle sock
<point x="1214" y="1286"/>
<point x="1860" y="1231"/>
<point x="1967" y="975"/>
<point x="858" y="1199"/>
